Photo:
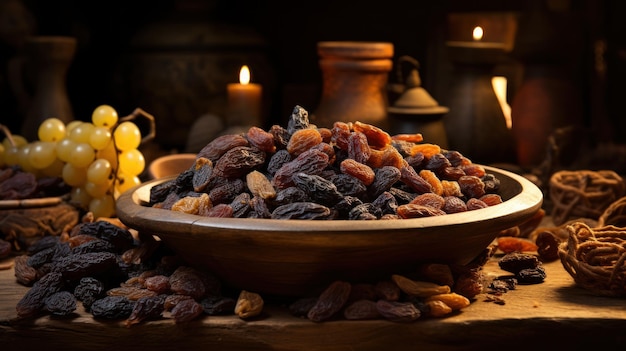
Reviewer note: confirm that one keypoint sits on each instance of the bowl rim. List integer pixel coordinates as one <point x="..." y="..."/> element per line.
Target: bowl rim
<point x="522" y="205"/>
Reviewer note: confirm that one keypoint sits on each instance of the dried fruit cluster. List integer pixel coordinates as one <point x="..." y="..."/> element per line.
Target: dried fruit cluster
<point x="436" y="290"/>
<point x="115" y="276"/>
<point x="351" y="171"/>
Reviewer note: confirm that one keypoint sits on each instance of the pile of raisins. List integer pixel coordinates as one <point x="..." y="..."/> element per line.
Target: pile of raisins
<point x="353" y="171"/>
<point x="114" y="276"/>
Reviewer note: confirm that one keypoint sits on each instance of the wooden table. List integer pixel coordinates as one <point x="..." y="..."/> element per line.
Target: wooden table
<point x="554" y="315"/>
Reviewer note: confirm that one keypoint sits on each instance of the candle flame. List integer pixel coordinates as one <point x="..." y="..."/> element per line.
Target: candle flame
<point x="477" y="33"/>
<point x="244" y="75"/>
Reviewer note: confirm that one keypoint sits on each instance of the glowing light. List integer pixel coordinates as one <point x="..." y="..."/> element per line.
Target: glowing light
<point x="477" y="34"/>
<point x="244" y="75"/>
<point x="499" y="87"/>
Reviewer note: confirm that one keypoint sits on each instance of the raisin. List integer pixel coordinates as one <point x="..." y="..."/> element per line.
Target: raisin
<point x="203" y="170"/>
<point x="454" y="204"/>
<point x="33" y="301"/>
<point x="471" y="186"/>
<point x="302" y="306"/>
<point x="320" y="190"/>
<point x="437" y="163"/>
<point x="330" y="301"/>
<point x="516" y="261"/>
<point x="376" y="137"/>
<point x="146" y="308"/>
<point x="112" y="307"/>
<point x="88" y="290"/>
<point x="24" y="273"/>
<point x="188" y="281"/>
<point x="241" y="205"/>
<point x="358" y="170"/>
<point x="418" y="211"/>
<point x="248" y="304"/>
<point x="349" y="185"/>
<point x="361" y="310"/>
<point x="302" y="140"/>
<point x="238" y="161"/>
<point x="301" y="210"/>
<point x="385" y="178"/>
<point x="475" y="204"/>
<point x="431" y="178"/>
<point x="299" y="119"/>
<point x="547" y="246"/>
<point x="281" y="136"/>
<point x="310" y="162"/>
<point x="289" y="195"/>
<point x="218" y="305"/>
<point x="259" y="208"/>
<point x="261" y="139"/>
<point x="220" y="210"/>
<point x="120" y="237"/>
<point x="386" y="203"/>
<point x="340" y="134"/>
<point x="409" y="176"/>
<point x="75" y="267"/>
<point x="277" y="160"/>
<point x="534" y="275"/>
<point x="429" y="199"/>
<point x="358" y="148"/>
<point x="220" y="145"/>
<point x="396" y="311"/>
<point x="61" y="303"/>
<point x="158" y="283"/>
<point x="260" y="185"/>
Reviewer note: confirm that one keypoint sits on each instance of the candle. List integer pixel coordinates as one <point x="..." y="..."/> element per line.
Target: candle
<point x="244" y="101"/>
<point x="477" y="43"/>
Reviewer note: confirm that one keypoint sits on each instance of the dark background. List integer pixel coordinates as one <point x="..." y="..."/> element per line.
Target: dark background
<point x="285" y="37"/>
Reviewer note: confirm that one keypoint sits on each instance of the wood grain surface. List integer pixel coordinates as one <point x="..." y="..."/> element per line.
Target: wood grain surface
<point x="554" y="315"/>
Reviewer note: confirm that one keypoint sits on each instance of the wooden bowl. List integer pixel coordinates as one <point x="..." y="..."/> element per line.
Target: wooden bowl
<point x="301" y="257"/>
<point x="170" y="165"/>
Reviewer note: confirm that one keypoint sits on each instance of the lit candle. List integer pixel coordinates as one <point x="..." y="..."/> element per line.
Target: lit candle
<point x="244" y="101"/>
<point x="477" y="43"/>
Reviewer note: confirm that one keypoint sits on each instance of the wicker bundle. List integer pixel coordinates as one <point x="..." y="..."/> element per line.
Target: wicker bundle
<point x="596" y="258"/>
<point x="584" y="193"/>
<point x="615" y="214"/>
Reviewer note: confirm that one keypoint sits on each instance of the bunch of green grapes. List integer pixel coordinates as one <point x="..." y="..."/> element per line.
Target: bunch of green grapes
<point x="98" y="159"/>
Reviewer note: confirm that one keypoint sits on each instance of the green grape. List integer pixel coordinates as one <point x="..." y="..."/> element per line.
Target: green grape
<point x="132" y="162"/>
<point x="104" y="116"/>
<point x="100" y="137"/>
<point x="79" y="197"/>
<point x="12" y="155"/>
<point x="82" y="132"/>
<point x="42" y="154"/>
<point x="97" y="190"/>
<point x="99" y="171"/>
<point x="24" y="159"/>
<point x="103" y="206"/>
<point x="17" y="139"/>
<point x="52" y="129"/>
<point x="54" y="170"/>
<point x="70" y="126"/>
<point x="74" y="176"/>
<point x="108" y="153"/>
<point x="125" y="182"/>
<point x="64" y="149"/>
<point x="82" y="155"/>
<point x="127" y="136"/>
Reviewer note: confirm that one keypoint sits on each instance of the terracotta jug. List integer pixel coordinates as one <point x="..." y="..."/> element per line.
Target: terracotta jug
<point x="355" y="76"/>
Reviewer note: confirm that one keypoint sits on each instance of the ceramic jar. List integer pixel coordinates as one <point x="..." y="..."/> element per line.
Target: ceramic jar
<point x="354" y="81"/>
